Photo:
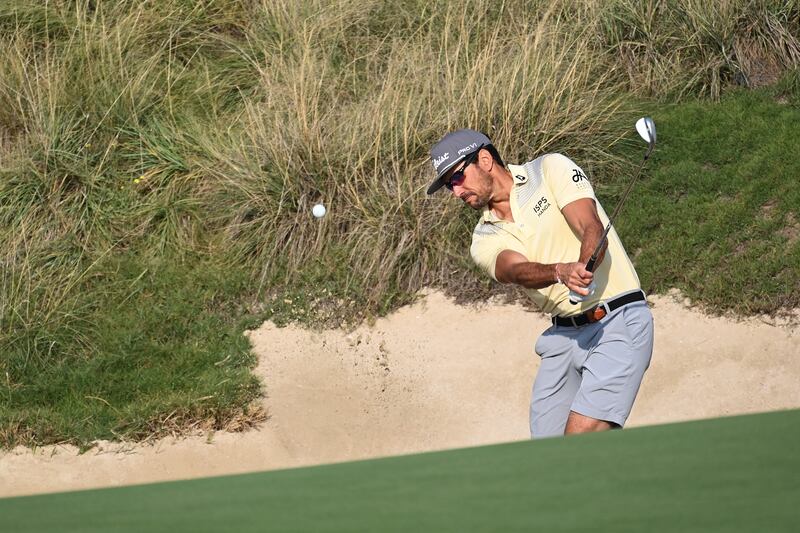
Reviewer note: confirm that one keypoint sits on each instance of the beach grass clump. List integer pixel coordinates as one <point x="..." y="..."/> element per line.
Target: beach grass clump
<point x="346" y="116"/>
<point x="687" y="48"/>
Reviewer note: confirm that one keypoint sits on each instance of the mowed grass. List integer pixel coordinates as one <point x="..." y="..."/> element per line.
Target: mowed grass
<point x="158" y="163"/>
<point x="734" y="475"/>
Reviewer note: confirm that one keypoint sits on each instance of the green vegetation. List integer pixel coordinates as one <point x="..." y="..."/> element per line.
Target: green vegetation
<point x="731" y="474"/>
<point x="717" y="214"/>
<point x="160" y="352"/>
<point x="158" y="162"/>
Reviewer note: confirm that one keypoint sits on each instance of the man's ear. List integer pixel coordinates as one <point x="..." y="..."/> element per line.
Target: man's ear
<point x="485" y="160"/>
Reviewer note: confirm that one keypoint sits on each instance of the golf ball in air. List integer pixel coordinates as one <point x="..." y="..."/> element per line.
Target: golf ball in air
<point x="319" y="210"/>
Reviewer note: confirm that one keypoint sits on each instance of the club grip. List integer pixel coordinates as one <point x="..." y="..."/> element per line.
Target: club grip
<point x="589" y="267"/>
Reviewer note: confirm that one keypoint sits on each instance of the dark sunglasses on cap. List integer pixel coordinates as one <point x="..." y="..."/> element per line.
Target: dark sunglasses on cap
<point x="458" y="177"/>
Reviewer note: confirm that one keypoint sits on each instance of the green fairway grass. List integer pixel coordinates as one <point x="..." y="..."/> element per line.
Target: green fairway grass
<point x="736" y="474"/>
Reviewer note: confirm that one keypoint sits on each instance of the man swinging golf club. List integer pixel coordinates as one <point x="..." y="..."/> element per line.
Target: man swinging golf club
<point x="542" y="228"/>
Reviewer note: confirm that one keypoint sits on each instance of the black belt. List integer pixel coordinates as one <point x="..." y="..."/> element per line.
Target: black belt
<point x="598" y="312"/>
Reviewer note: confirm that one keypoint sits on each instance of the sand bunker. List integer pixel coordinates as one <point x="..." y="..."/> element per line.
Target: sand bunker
<point x="431" y="376"/>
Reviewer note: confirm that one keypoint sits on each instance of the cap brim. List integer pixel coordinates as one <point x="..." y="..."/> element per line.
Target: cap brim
<point x="436" y="185"/>
<point x="439" y="182"/>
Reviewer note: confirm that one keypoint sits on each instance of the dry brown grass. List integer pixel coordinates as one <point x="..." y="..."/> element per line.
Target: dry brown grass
<point x="356" y="137"/>
<point x="680" y="48"/>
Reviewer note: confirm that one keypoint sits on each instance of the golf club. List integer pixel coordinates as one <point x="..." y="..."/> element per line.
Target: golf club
<point x="647" y="131"/>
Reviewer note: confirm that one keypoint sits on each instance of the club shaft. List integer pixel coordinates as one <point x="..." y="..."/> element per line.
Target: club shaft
<point x="593" y="259"/>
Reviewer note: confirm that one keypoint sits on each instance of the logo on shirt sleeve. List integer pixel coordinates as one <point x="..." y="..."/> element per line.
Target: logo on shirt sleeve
<point x="578" y="176"/>
<point x="580" y="179"/>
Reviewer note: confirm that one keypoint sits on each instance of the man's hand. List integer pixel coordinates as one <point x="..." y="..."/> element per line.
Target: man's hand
<point x="575" y="277"/>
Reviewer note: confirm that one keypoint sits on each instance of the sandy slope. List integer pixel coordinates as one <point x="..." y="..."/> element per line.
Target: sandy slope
<point x="430" y="376"/>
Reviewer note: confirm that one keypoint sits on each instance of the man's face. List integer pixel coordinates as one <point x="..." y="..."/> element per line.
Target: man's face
<point x="475" y="187"/>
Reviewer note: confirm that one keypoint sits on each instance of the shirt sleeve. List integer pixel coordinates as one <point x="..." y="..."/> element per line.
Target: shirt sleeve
<point x="566" y="180"/>
<point x="487" y="243"/>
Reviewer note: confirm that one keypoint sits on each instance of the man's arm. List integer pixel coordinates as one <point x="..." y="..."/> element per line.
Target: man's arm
<point x="513" y="267"/>
<point x="581" y="215"/>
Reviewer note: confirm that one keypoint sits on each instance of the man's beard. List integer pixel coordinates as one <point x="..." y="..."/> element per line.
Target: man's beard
<point x="482" y="202"/>
<point x="484" y="196"/>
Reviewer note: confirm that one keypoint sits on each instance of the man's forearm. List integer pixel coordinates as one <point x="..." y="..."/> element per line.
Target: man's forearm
<point x="591" y="236"/>
<point x="534" y="275"/>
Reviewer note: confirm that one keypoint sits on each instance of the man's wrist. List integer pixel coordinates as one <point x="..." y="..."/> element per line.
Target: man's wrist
<point x="557" y="275"/>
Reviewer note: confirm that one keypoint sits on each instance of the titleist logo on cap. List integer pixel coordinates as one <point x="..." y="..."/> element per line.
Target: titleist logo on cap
<point x="437" y="162"/>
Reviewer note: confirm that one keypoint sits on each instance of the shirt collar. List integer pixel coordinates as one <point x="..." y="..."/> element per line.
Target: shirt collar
<point x="519" y="174"/>
<point x="520" y="178"/>
<point x="488" y="216"/>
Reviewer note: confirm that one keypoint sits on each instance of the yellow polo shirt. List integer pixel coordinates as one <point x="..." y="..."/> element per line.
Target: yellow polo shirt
<point x="540" y="232"/>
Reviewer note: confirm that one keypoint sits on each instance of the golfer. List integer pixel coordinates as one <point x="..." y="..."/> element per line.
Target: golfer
<point x="539" y="224"/>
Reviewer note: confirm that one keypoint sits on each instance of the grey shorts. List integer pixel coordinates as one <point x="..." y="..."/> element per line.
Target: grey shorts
<point x="594" y="370"/>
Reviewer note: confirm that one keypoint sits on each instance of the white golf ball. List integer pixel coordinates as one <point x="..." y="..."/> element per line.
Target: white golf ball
<point x="319" y="210"/>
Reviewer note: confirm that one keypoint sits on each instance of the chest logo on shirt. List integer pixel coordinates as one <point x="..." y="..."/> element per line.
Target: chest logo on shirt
<point x="541" y="206"/>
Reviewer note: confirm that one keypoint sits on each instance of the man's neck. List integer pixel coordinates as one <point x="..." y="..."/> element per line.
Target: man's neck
<point x="500" y="202"/>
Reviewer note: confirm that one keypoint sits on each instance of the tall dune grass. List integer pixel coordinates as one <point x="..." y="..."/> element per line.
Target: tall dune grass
<point x="356" y="137"/>
<point x="683" y="48"/>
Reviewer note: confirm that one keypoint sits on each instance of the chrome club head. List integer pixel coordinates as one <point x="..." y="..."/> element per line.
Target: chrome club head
<point x="647" y="131"/>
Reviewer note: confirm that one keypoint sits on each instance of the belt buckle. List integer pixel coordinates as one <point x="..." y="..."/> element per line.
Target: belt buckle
<point x="597" y="313"/>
